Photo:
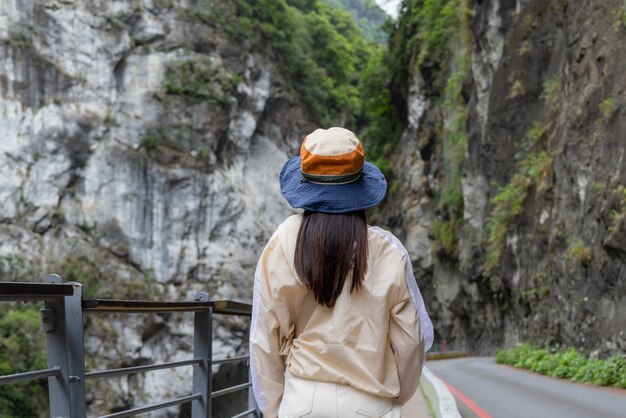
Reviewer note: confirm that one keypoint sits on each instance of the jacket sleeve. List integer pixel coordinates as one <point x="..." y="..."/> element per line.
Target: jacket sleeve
<point x="406" y="338"/>
<point x="267" y="367"/>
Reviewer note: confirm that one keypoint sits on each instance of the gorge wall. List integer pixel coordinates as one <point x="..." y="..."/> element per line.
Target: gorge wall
<point x="140" y="144"/>
<point x="139" y="153"/>
<point x="511" y="170"/>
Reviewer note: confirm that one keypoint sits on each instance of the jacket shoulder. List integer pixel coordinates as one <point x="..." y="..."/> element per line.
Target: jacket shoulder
<point x="387" y="242"/>
<point x="290" y="223"/>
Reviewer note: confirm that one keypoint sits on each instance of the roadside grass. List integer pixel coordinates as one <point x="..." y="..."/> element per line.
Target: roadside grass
<point x="431" y="409"/>
<point x="568" y="364"/>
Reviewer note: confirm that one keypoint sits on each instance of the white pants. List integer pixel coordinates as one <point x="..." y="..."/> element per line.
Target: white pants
<point x="311" y="399"/>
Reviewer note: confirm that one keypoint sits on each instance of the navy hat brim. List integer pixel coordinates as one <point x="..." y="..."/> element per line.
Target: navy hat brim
<point x="363" y="193"/>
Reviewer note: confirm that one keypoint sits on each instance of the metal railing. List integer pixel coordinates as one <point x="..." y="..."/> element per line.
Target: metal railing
<point x="62" y="321"/>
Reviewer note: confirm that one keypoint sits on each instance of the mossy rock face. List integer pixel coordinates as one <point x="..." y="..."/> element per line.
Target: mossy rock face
<point x="202" y="79"/>
<point x="507" y="131"/>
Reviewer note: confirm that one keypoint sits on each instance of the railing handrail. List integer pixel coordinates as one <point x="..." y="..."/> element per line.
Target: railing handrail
<point x="31" y="375"/>
<point x="223" y="307"/>
<point x="62" y="321"/>
<point x="98" y="374"/>
<point x="34" y="291"/>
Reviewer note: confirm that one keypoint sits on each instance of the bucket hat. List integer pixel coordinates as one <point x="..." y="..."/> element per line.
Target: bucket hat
<point x="331" y="174"/>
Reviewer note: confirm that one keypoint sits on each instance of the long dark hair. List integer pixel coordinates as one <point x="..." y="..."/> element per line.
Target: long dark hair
<point x="328" y="247"/>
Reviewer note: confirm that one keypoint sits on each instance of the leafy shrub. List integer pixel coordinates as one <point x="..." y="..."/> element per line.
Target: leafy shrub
<point x="569" y="364"/>
<point x="607" y="108"/>
<point x="22" y="350"/>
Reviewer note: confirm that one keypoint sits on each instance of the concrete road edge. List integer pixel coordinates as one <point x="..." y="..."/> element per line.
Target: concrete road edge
<point x="440" y="398"/>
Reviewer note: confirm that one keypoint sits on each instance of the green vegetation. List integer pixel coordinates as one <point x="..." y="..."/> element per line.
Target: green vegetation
<point x="150" y="142"/>
<point x="444" y="233"/>
<point x="619" y="17"/>
<point x="109" y="119"/>
<point x="320" y="50"/>
<point x="578" y="251"/>
<point x="22" y="343"/>
<point x="368" y="16"/>
<point x="206" y="155"/>
<point x="116" y="24"/>
<point x="326" y="62"/>
<point x="455" y="139"/>
<point x="21" y="350"/>
<point x="100" y="279"/>
<point x="618" y="216"/>
<point x="525" y="48"/>
<point x="532" y="140"/>
<point x="450" y="201"/>
<point x="537" y="290"/>
<point x="529" y="24"/>
<point x="509" y="204"/>
<point x="424" y="32"/>
<point x="569" y="364"/>
<point x="11" y="265"/>
<point x="551" y="88"/>
<point x="380" y="121"/>
<point x="161" y="138"/>
<point x="325" y="59"/>
<point x="431" y="409"/>
<point x="607" y="108"/>
<point x="201" y="80"/>
<point x="534" y="169"/>
<point x="517" y="89"/>
<point x="438" y="21"/>
<point x="537" y="131"/>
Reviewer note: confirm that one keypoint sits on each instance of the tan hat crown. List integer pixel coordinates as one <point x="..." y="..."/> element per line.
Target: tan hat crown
<point x="333" y="155"/>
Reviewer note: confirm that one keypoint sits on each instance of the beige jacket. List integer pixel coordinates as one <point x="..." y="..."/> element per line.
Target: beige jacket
<point x="373" y="339"/>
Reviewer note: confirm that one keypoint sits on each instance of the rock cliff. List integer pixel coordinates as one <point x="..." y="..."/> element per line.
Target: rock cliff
<point x="139" y="155"/>
<point x="511" y="169"/>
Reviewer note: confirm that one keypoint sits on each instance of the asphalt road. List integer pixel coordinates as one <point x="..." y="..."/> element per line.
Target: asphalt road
<point x="505" y="392"/>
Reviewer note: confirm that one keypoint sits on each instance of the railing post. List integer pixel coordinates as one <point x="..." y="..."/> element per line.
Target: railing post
<point x="202" y="349"/>
<point x="76" y="350"/>
<point x="53" y="323"/>
<point x="251" y="400"/>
